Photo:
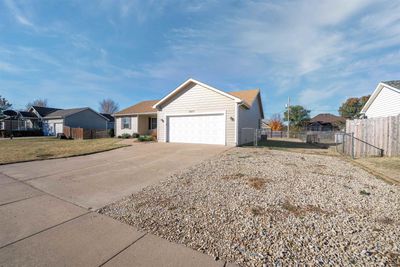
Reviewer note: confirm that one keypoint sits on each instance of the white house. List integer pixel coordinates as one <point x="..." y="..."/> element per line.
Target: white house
<point x="384" y="101"/>
<point x="195" y="112"/>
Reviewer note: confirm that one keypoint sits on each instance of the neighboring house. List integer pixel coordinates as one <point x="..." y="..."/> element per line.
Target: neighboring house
<point x="196" y="113"/>
<point x="111" y="120"/>
<point x="87" y="118"/>
<point x="385" y="101"/>
<point x="326" y="122"/>
<point x="22" y="121"/>
<point x="265" y="125"/>
<point x="53" y="120"/>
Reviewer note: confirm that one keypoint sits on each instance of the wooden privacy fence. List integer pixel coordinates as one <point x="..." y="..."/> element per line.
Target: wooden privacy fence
<point x="81" y="133"/>
<point x="374" y="134"/>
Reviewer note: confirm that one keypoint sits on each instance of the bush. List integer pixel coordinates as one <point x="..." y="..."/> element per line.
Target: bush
<point x="111" y="133"/>
<point x="135" y="135"/>
<point x="145" y="138"/>
<point x="17" y="133"/>
<point x="125" y="135"/>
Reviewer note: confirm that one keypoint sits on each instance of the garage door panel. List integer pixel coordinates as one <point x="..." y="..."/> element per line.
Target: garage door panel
<point x="200" y="129"/>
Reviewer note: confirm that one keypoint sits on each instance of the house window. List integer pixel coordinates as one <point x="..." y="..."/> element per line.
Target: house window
<point x="126" y="123"/>
<point x="152" y="123"/>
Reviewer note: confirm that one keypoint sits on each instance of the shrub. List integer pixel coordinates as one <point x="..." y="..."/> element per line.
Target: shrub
<point x="119" y="136"/>
<point x="111" y="133"/>
<point x="145" y="138"/>
<point x="135" y="135"/>
<point x="125" y="135"/>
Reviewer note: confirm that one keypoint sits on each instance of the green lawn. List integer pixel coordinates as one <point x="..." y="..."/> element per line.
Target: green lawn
<point x="17" y="150"/>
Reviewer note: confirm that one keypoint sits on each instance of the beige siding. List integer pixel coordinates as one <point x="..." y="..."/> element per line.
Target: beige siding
<point x="248" y="118"/>
<point x="196" y="99"/>
<point x="143" y="123"/>
<point x="133" y="129"/>
<point x="387" y="103"/>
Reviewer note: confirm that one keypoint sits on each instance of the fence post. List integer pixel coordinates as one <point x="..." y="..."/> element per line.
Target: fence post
<point x="255" y="137"/>
<point x="343" y="143"/>
<point x="352" y="145"/>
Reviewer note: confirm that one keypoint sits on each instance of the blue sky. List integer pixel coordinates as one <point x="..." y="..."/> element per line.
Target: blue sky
<point x="75" y="53"/>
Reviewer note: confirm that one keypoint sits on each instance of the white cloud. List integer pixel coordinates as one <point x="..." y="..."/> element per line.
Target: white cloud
<point x="310" y="97"/>
<point x="18" y="13"/>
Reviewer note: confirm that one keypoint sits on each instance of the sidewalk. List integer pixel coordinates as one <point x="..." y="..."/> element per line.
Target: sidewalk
<point x="38" y="229"/>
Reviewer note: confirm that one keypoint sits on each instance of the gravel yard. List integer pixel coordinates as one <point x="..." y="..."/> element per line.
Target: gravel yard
<point x="253" y="206"/>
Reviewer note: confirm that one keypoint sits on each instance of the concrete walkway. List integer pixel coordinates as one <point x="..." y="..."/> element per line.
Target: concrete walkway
<point x="46" y="217"/>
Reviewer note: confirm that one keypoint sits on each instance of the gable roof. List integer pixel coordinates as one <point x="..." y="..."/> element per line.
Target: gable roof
<point x="62" y="113"/>
<point x="247" y="96"/>
<point x="141" y="107"/>
<point x="189" y="81"/>
<point x="43" y="111"/>
<point x="108" y="116"/>
<point x="392" y="85"/>
<point x="28" y="114"/>
<point x="327" y="118"/>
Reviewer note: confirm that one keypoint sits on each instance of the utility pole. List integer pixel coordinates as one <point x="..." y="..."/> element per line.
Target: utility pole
<point x="288" y="116"/>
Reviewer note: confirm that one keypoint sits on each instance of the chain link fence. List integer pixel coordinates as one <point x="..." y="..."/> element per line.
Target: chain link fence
<point x="252" y="136"/>
<point x="347" y="144"/>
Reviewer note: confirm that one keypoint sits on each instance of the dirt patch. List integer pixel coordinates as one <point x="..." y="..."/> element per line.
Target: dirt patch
<point x="298" y="211"/>
<point x="256" y="183"/>
<point x="257" y="211"/>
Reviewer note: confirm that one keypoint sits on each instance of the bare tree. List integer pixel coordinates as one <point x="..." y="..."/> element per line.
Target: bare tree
<point x="108" y="106"/>
<point x="4" y="105"/>
<point x="40" y="102"/>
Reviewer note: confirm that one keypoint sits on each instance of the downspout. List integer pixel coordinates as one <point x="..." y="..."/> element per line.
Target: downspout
<point x="237" y="124"/>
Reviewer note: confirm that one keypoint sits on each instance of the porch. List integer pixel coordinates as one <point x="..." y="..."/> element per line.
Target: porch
<point x="147" y="124"/>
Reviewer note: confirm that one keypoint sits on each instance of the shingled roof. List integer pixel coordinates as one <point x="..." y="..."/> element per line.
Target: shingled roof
<point x="62" y="113"/>
<point x="27" y="114"/>
<point x="141" y="107"/>
<point x="395" y="83"/>
<point x="108" y="116"/>
<point x="327" y="118"/>
<point x="247" y="96"/>
<point x="44" y="111"/>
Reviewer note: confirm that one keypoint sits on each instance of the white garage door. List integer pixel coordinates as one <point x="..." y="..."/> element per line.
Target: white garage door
<point x="197" y="129"/>
<point x="59" y="128"/>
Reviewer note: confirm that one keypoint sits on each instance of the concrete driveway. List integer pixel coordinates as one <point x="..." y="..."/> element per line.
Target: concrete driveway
<point x="99" y="179"/>
<point x="46" y="217"/>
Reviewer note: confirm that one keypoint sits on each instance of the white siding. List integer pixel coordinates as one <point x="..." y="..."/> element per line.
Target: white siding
<point x="196" y="99"/>
<point x="387" y="103"/>
<point x="133" y="129"/>
<point x="248" y="118"/>
<point x="48" y="126"/>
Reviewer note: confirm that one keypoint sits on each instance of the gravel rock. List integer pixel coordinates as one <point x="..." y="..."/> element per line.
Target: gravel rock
<point x="257" y="206"/>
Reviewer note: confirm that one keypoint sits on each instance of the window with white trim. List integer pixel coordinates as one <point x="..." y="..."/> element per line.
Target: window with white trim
<point x="152" y="123"/>
<point x="125" y="123"/>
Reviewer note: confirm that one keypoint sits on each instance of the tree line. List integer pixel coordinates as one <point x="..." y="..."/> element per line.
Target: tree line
<point x="299" y="116"/>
